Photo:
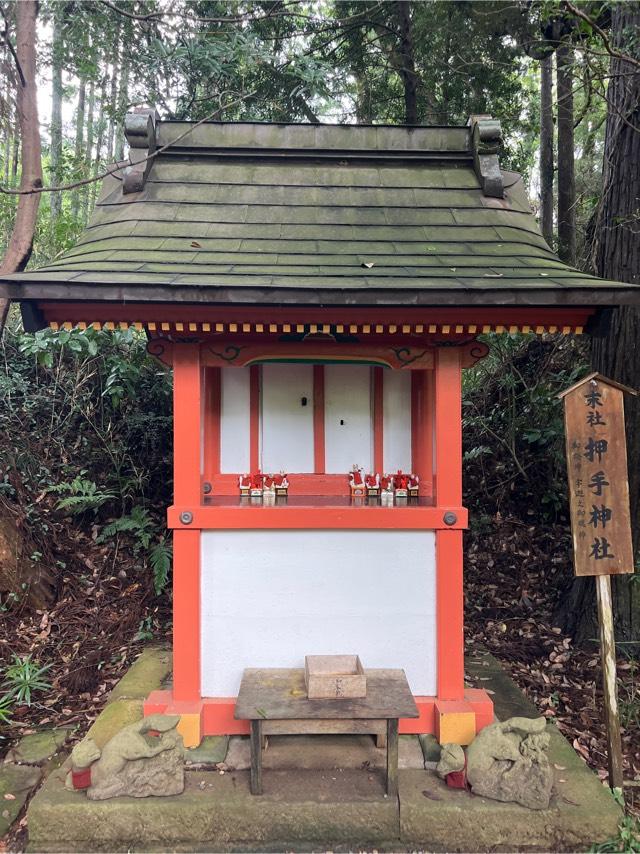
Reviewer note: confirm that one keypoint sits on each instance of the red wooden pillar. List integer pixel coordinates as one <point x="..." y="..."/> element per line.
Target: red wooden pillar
<point x="378" y="420"/>
<point x="318" y="420"/>
<point x="254" y="418"/>
<point x="211" y="404"/>
<point x="187" y="390"/>
<point x="448" y="474"/>
<point x="422" y="428"/>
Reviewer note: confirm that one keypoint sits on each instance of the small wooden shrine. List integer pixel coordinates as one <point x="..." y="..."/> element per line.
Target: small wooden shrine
<point x="318" y="291"/>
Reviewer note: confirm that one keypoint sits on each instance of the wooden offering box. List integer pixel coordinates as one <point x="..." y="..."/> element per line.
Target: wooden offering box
<point x="332" y="677"/>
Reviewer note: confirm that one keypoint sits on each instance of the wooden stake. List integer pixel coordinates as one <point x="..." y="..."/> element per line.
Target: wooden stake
<point x="608" y="652"/>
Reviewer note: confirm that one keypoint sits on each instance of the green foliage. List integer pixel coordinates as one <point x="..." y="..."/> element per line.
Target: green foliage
<point x="160" y="558"/>
<point x="629" y="696"/>
<point x="86" y="417"/>
<point x="143" y="528"/>
<point x="627" y="840"/>
<point x="513" y="428"/>
<point x="138" y="523"/>
<point x="6" y="705"/>
<point x="81" y="495"/>
<point x="464" y="59"/>
<point x="45" y="343"/>
<point x="23" y="678"/>
<point x="145" y="630"/>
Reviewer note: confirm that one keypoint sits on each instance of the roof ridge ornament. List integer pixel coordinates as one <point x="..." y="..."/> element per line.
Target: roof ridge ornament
<point x="140" y="133"/>
<point x="486" y="139"/>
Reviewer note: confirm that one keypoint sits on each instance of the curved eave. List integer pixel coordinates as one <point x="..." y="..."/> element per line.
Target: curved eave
<point x="595" y="293"/>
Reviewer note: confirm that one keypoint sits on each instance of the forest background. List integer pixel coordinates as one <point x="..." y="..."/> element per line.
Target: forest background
<point x="86" y="416"/>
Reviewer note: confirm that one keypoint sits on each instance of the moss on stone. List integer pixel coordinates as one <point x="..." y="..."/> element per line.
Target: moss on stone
<point x="145" y="675"/>
<point x="113" y="718"/>
<point x="211" y="750"/>
<point x="36" y="748"/>
<point x="16" y="783"/>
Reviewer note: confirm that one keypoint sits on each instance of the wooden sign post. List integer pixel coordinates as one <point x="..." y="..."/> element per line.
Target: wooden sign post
<point x="600" y="517"/>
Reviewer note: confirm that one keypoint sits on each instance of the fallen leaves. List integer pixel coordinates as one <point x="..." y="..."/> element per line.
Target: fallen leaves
<point x="508" y="584"/>
<point x="87" y="660"/>
<point x="433" y="796"/>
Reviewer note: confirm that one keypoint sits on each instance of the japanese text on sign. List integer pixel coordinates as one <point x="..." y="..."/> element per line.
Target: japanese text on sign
<point x="598" y="484"/>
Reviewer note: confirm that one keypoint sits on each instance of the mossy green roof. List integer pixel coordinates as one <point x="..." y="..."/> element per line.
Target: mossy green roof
<point x="266" y="213"/>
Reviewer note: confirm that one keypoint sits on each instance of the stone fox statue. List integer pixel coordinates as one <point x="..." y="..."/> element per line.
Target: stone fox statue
<point x="143" y="759"/>
<point x="506" y="761"/>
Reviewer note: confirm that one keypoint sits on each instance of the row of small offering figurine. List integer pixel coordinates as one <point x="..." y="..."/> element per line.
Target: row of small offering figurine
<point x="386" y="486"/>
<point x="259" y="484"/>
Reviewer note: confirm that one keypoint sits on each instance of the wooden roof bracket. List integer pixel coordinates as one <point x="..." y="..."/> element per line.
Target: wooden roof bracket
<point x="140" y="133"/>
<point x="486" y="138"/>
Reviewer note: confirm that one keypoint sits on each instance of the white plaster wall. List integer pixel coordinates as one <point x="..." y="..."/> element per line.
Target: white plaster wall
<point x="287" y="425"/>
<point x="269" y="598"/>
<point x="396" y="399"/>
<point x="234" y="427"/>
<point x="347" y="398"/>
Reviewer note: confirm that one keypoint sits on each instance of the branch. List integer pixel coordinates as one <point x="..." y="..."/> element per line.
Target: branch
<point x="605" y="39"/>
<point x="234" y="19"/>
<point x="118" y="166"/>
<point x="152" y="16"/>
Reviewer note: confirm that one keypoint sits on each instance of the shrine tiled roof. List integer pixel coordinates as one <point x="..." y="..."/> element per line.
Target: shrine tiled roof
<point x="227" y="213"/>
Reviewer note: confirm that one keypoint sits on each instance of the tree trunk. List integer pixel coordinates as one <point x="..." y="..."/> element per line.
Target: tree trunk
<point x="546" y="148"/>
<point x="56" y="112"/>
<point x="88" y="156"/>
<point x="616" y="255"/>
<point x="111" y="134"/>
<point x="363" y="100"/>
<point x="113" y="95"/>
<point x="123" y="104"/>
<point x="101" y="127"/>
<point x="79" y="147"/>
<point x="21" y="241"/>
<point x="566" y="164"/>
<point x="407" y="67"/>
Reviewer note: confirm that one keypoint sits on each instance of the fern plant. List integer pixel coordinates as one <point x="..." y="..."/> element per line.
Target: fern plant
<point x="141" y="526"/>
<point x="81" y="495"/>
<point x="138" y="523"/>
<point x="160" y="560"/>
<point x="23" y="677"/>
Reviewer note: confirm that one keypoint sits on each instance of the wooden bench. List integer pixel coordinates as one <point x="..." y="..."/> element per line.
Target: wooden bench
<point x="275" y="702"/>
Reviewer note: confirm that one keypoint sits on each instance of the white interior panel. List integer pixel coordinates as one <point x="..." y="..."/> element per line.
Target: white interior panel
<point x="348" y="420"/>
<point x="270" y="597"/>
<point x="396" y="444"/>
<point x="287" y="424"/>
<point x="234" y="427"/>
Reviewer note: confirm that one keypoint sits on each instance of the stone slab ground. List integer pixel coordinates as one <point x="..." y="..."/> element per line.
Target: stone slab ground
<point x="328" y="792"/>
<point x="16" y="783"/>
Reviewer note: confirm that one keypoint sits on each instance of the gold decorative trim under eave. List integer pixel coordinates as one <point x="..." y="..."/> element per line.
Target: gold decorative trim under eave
<point x="321" y="328"/>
